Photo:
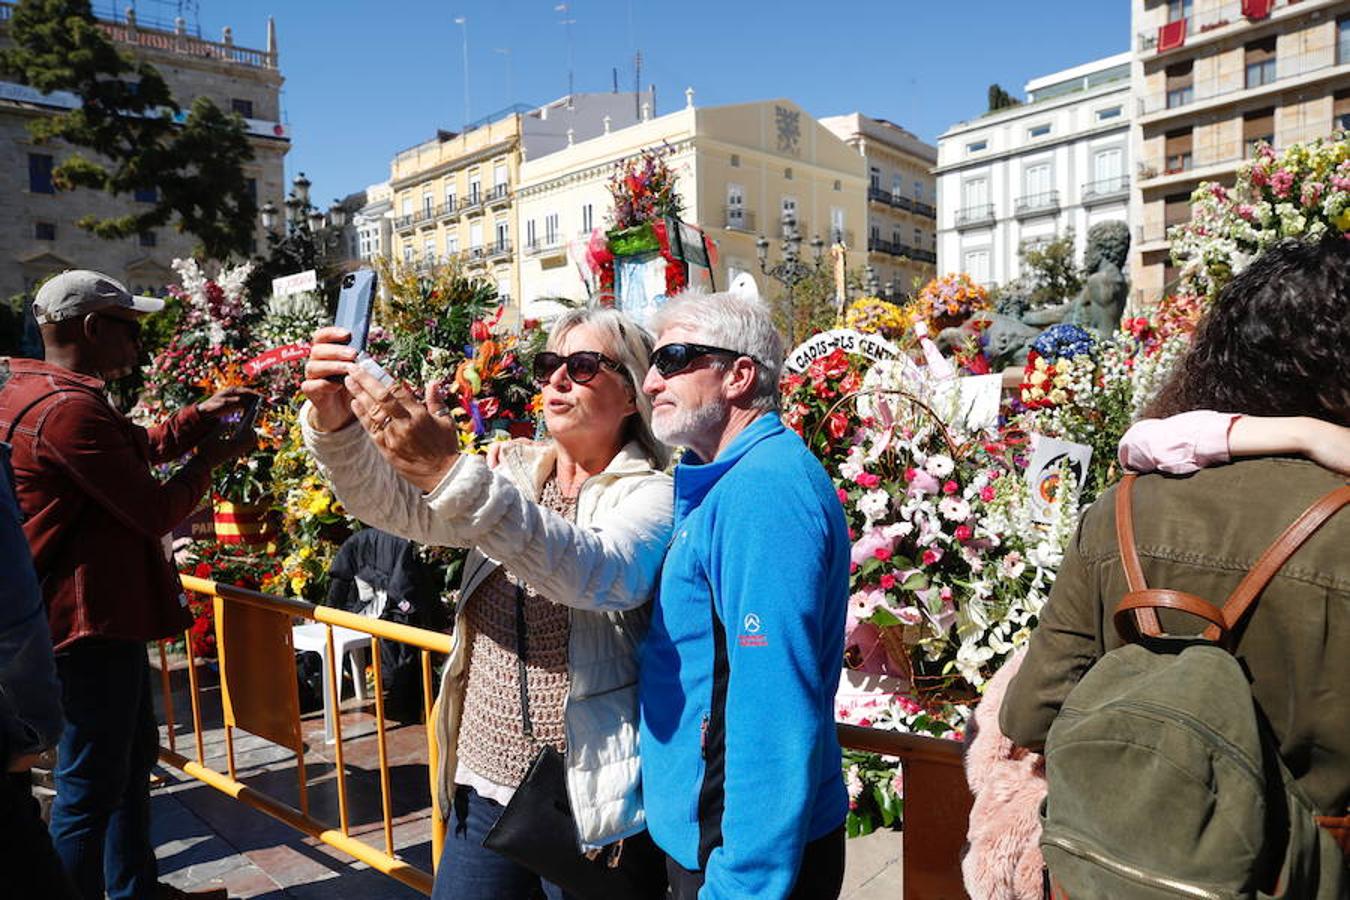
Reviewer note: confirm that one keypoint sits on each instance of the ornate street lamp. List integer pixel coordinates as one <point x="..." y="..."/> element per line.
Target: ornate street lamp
<point x="791" y="271"/>
<point x="871" y="284"/>
<point x="337" y="214"/>
<point x="269" y="213"/>
<point x="301" y="186"/>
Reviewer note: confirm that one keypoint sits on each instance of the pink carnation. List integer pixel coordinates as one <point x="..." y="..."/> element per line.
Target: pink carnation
<point x="1281" y="182"/>
<point x="867" y="480"/>
<point x="950" y="487"/>
<point x="987" y="493"/>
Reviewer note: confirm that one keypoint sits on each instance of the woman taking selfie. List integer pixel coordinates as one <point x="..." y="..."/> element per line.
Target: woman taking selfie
<point x="567" y="539"/>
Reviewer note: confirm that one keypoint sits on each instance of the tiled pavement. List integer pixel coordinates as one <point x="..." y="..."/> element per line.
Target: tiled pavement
<point x="205" y="839"/>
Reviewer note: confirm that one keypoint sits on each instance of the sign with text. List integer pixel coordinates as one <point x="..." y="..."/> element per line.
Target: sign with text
<point x="294" y="284"/>
<point x="276" y="356"/>
<point x="870" y="345"/>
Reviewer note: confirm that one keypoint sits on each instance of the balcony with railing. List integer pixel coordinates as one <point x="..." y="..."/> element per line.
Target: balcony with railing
<point x="498" y="249"/>
<point x="1264" y="77"/>
<point x="544" y="246"/>
<point x="900" y="249"/>
<point x="975" y="216"/>
<point x="738" y="218"/>
<point x="498" y="194"/>
<point x="171" y="38"/>
<point x="1106" y="190"/>
<point x="447" y="209"/>
<point x="879" y="195"/>
<point x="1203" y="24"/>
<point x="473" y="203"/>
<point x="425" y="217"/>
<point x="404" y="222"/>
<point x="1045" y="203"/>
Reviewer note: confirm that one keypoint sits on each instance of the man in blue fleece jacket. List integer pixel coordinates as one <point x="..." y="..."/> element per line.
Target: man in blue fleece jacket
<point x="740" y="762"/>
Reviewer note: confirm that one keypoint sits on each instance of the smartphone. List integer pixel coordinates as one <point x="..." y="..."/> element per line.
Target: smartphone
<point x="239" y="423"/>
<point x="354" y="305"/>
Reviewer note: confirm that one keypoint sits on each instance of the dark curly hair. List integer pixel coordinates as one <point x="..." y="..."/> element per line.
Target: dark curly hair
<point x="1275" y="341"/>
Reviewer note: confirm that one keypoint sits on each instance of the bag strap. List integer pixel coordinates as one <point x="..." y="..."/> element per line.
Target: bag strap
<point x="522" y="672"/>
<point x="1276" y="555"/>
<point x="14" y="423"/>
<point x="1140" y="605"/>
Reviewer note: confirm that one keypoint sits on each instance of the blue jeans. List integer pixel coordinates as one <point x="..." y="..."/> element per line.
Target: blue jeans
<point x="101" y="815"/>
<point x="470" y="871"/>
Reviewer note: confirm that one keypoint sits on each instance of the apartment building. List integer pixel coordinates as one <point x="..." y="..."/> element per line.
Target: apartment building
<point x="454" y="196"/>
<point x="1211" y="80"/>
<point x="901" y="220"/>
<point x="1030" y="172"/>
<point x="38" y="234"/>
<point x="739" y="170"/>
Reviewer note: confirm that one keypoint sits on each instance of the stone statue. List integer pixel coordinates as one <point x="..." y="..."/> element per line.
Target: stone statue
<point x="1101" y="302"/>
<point x="1006" y="339"/>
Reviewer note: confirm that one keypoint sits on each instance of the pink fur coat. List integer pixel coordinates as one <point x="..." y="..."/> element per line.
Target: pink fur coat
<point x="1003" y="860"/>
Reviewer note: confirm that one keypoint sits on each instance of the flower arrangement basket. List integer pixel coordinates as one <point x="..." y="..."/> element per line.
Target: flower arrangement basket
<point x="242" y="523"/>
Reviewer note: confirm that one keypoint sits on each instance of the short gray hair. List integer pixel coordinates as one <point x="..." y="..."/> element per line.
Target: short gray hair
<point x="631" y="345"/>
<point x="734" y="322"/>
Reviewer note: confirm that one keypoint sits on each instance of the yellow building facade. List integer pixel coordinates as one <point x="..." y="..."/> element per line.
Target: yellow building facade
<point x="739" y="169"/>
<point x="1209" y="91"/>
<point x="454" y="196"/>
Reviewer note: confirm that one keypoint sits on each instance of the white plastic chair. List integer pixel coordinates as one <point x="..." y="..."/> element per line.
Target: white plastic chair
<point x="348" y="643"/>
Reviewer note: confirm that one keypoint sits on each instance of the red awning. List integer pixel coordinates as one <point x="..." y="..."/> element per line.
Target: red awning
<point x="1172" y="35"/>
<point x="1257" y="9"/>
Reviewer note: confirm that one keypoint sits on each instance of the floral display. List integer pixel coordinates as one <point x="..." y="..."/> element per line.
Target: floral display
<point x="949" y="300"/>
<point x="643" y="189"/>
<point x="1302" y="192"/>
<point x="872" y="315"/>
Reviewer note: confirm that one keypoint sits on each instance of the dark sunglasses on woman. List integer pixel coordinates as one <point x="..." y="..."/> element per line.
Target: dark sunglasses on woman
<point x="670" y="359"/>
<point x="582" y="366"/>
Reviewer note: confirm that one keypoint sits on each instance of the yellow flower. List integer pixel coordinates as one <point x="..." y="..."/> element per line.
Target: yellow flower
<point x="1061" y="381"/>
<point x="306" y="552"/>
<point x="1038" y="377"/>
<point x="1058" y="396"/>
<point x="298" y="583"/>
<point x="318" y="504"/>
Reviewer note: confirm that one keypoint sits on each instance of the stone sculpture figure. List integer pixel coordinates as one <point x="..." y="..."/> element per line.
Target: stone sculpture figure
<point x="1101" y="302"/>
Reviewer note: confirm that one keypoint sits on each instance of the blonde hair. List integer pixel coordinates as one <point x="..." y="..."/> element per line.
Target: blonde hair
<point x="631" y="346"/>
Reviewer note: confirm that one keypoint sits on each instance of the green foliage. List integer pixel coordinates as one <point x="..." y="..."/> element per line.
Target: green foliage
<point x="427" y="314"/>
<point x="876" y="804"/>
<point x="126" y="118"/>
<point x="1050" y="268"/>
<point x="1001" y="99"/>
<point x="813" y="307"/>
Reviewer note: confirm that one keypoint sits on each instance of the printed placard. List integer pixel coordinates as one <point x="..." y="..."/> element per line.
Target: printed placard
<point x="295" y="284"/>
<point x="870" y="345"/>
<point x="276" y="356"/>
<point x="1055" y="467"/>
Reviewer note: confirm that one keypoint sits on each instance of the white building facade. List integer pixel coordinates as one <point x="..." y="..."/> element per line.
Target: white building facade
<point x="1029" y="173"/>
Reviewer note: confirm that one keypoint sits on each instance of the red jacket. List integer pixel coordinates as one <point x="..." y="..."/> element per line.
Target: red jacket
<point x="95" y="513"/>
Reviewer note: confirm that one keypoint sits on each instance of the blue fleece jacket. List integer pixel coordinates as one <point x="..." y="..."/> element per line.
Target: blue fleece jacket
<point x="740" y="761"/>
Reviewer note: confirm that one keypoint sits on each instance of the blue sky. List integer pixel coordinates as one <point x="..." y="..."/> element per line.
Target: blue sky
<point x="366" y="79"/>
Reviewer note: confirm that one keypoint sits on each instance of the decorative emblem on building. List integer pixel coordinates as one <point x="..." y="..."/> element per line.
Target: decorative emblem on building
<point x="789" y="122"/>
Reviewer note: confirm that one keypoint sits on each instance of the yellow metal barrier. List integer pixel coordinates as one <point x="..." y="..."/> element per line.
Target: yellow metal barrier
<point x="277" y="718"/>
<point x="937" y="802"/>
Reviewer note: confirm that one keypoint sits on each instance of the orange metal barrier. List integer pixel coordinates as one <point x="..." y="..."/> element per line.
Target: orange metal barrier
<point x="260" y="694"/>
<point x="263" y="699"/>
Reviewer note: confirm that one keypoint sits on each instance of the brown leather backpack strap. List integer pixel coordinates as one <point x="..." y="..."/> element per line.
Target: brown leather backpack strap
<point x="1136" y="603"/>
<point x="1276" y="555"/>
<point x="1146" y="619"/>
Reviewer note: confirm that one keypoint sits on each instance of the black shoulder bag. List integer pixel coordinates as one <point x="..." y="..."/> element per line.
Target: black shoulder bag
<point x="536" y="829"/>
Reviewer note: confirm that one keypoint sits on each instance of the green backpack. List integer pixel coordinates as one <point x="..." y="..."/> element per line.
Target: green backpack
<point x="1164" y="779"/>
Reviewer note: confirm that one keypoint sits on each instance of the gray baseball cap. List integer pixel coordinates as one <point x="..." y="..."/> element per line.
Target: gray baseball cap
<point x="78" y="291"/>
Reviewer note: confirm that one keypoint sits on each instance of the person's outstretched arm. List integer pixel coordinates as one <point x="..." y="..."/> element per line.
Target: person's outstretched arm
<point x="1194" y="440"/>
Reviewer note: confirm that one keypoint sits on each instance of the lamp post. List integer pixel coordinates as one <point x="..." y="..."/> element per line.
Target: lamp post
<point x="299" y="235"/>
<point x="792" y="271"/>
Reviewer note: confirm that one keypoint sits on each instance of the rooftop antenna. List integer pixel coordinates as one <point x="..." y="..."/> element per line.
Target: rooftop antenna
<point x="567" y="22"/>
<point x="463" y="23"/>
<point x="510" y="93"/>
<point x="637" y="85"/>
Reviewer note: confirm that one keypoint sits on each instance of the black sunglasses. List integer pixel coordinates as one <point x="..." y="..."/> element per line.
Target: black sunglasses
<point x="669" y="359"/>
<point x="582" y="366"/>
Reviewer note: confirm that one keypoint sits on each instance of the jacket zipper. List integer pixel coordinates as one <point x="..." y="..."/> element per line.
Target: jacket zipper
<point x="703" y="736"/>
<point x="1125" y="870"/>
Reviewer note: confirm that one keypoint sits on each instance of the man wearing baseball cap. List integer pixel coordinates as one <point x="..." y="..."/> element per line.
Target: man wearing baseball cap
<point x="95" y="517"/>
